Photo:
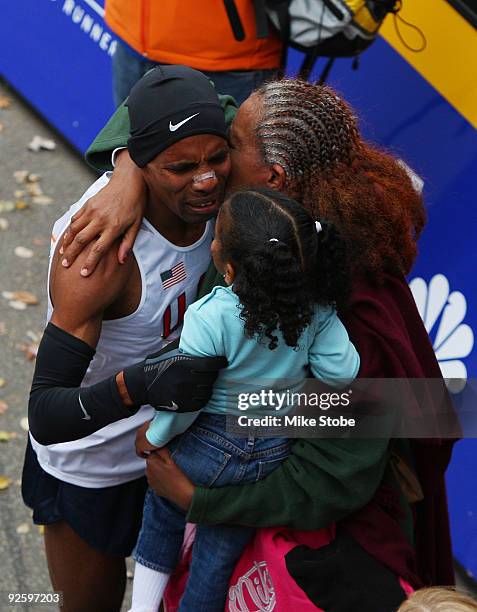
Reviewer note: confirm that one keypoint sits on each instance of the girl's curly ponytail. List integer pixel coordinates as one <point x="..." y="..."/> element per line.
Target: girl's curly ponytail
<point x="281" y="263"/>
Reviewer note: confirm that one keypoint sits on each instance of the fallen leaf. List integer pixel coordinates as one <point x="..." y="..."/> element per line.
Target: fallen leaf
<point x="6" y="436"/>
<point x="5" y="483"/>
<point x="20" y="176"/>
<point x="41" y="529"/>
<point x="42" y="200"/>
<point x="34" y="189"/>
<point x="21" y="296"/>
<point x="2" y="382"/>
<point x="3" y="329"/>
<point x="21" y="251"/>
<point x="33" y="178"/>
<point x="5" y="101"/>
<point x="38" y="142"/>
<point x="3" y="407"/>
<point x="19" y="193"/>
<point x="21" y="204"/>
<point x="17" y="305"/>
<point x="24" y="424"/>
<point x="39" y="241"/>
<point x="7" y="205"/>
<point x="23" y="528"/>
<point x="30" y="350"/>
<point x="3" y="224"/>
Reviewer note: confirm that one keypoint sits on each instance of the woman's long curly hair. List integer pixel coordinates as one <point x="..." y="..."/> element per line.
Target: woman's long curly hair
<point x="312" y="133"/>
<point x="283" y="265"/>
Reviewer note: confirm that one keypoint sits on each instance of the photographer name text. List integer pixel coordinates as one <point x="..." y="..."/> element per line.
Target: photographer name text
<point x="295" y="421"/>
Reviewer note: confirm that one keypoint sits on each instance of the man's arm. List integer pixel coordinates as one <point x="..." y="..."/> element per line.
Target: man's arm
<point x="79" y="303"/>
<point x="60" y="411"/>
<point x="56" y="409"/>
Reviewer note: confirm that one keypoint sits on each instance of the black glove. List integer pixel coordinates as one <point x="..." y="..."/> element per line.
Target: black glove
<point x="171" y="380"/>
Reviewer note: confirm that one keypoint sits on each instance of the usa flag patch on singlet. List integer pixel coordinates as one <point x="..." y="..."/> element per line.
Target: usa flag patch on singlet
<point x="173" y="276"/>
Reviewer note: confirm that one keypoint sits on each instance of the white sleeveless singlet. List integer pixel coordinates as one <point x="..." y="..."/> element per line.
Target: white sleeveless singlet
<point x="170" y="277"/>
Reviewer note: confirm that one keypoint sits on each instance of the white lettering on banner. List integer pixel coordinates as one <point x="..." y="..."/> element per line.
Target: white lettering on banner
<point x="88" y="25"/>
<point x="104" y="41"/>
<point x="68" y="7"/>
<point x="255" y="589"/>
<point x="77" y="15"/>
<point x="96" y="32"/>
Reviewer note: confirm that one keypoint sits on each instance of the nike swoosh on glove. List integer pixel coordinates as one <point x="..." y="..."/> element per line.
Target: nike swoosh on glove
<point x="172" y="380"/>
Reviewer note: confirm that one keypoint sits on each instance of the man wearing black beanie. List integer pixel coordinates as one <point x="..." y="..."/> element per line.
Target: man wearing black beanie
<point x="168" y="104"/>
<point x="89" y="493"/>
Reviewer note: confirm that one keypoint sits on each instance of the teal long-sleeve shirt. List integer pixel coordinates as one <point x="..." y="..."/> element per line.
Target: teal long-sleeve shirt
<point x="212" y="326"/>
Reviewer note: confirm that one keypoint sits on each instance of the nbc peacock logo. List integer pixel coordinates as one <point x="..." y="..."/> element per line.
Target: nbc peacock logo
<point x="443" y="313"/>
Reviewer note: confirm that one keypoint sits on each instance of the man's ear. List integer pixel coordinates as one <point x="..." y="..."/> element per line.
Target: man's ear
<point x="277" y="177"/>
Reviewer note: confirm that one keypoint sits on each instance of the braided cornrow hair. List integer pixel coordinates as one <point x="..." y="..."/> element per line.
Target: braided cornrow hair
<point x="305" y="128"/>
<point x="312" y="133"/>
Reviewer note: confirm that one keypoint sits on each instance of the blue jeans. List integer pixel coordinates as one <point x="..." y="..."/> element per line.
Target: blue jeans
<point x="129" y="67"/>
<point x="211" y="458"/>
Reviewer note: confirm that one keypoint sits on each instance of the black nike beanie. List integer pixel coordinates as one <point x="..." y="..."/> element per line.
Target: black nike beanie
<point x="168" y="104"/>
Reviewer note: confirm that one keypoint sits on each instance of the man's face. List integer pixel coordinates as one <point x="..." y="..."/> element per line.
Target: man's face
<point x="248" y="167"/>
<point x="170" y="178"/>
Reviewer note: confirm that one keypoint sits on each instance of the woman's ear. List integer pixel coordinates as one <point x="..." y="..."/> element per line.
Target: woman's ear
<point x="277" y="177"/>
<point x="229" y="273"/>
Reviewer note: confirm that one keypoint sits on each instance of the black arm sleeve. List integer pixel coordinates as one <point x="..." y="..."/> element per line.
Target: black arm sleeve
<point x="59" y="410"/>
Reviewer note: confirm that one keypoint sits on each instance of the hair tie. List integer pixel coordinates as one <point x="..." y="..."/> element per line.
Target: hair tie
<point x="273" y="240"/>
<point x="318" y="227"/>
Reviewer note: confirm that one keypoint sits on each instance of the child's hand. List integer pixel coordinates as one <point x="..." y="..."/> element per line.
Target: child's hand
<point x="143" y="447"/>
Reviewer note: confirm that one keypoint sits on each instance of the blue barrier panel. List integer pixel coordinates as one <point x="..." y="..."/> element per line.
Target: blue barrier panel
<point x="57" y="54"/>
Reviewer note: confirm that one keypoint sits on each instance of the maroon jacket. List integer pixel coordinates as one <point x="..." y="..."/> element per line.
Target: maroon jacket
<point x="386" y="328"/>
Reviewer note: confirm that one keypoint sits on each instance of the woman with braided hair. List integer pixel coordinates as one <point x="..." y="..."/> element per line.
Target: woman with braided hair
<point x="308" y="137"/>
<point x="302" y="139"/>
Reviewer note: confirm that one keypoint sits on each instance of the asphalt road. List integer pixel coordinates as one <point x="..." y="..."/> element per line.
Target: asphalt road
<point x="64" y="177"/>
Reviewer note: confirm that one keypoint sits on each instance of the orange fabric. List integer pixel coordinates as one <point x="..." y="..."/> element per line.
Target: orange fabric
<point x="196" y="33"/>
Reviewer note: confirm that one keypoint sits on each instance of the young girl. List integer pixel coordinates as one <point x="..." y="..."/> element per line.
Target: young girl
<point x="276" y="319"/>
